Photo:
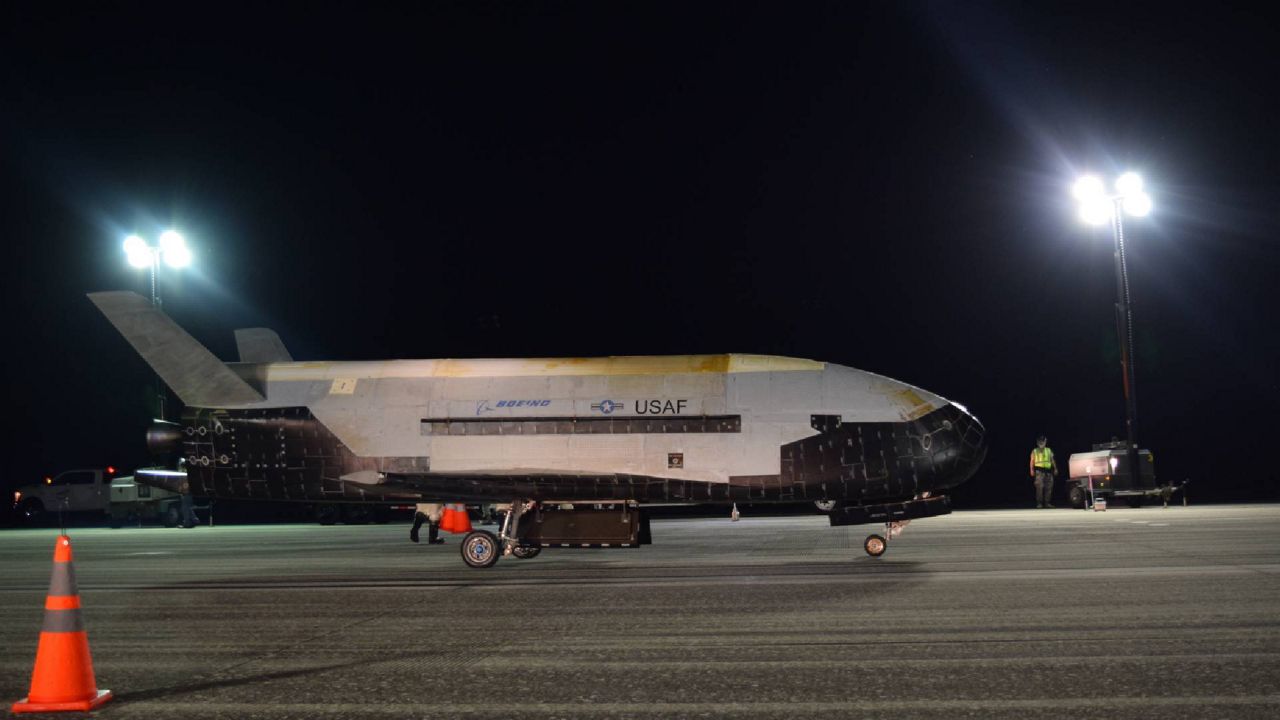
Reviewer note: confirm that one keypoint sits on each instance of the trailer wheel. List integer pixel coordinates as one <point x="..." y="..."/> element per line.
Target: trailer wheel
<point x="1134" y="501"/>
<point x="480" y="549"/>
<point x="526" y="552"/>
<point x="327" y="514"/>
<point x="1079" y="497"/>
<point x="875" y="545"/>
<point x="356" y="515"/>
<point x="170" y="516"/>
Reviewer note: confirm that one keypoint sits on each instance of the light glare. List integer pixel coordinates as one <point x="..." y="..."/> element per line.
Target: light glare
<point x="134" y="244"/>
<point x="171" y="240"/>
<point x="1095" y="211"/>
<point x="140" y="258"/>
<point x="1088" y="188"/>
<point x="177" y="256"/>
<point x="1129" y="184"/>
<point x="1137" y="204"/>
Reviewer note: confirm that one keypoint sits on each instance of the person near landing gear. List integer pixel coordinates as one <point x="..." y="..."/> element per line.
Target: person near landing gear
<point x="428" y="513"/>
<point x="187" y="507"/>
<point x="1044" y="468"/>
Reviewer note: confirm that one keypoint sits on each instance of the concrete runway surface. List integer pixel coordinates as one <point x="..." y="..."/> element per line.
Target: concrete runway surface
<point x="1149" y="613"/>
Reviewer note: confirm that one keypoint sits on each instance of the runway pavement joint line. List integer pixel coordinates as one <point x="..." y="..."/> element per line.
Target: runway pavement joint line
<point x="797" y="708"/>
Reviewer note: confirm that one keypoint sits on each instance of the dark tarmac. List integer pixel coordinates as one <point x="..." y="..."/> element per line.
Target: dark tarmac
<point x="1147" y="613"/>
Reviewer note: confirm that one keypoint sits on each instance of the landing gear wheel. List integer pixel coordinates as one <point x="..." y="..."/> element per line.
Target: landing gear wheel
<point x="1078" y="497"/>
<point x="875" y="545"/>
<point x="526" y="553"/>
<point x="480" y="549"/>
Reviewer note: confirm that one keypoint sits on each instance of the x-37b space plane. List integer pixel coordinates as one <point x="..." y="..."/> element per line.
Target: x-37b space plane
<point x="575" y="446"/>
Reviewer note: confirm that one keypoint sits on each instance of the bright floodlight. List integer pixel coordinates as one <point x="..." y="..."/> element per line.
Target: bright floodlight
<point x="1129" y="184"/>
<point x="135" y="248"/>
<point x="1095" y="211"/>
<point x="134" y="244"/>
<point x="170" y="241"/>
<point x="1137" y="204"/>
<point x="1088" y="188"/>
<point x="140" y="260"/>
<point x="177" y="256"/>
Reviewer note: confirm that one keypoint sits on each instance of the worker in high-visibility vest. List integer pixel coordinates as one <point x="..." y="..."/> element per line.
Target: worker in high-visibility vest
<point x="1044" y="468"/>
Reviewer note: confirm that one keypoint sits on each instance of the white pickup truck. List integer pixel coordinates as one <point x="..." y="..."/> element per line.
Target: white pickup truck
<point x="93" y="493"/>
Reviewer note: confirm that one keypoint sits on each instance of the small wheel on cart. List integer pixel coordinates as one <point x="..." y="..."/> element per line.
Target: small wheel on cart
<point x="875" y="545"/>
<point x="1079" y="497"/>
<point x="526" y="552"/>
<point x="480" y="549"/>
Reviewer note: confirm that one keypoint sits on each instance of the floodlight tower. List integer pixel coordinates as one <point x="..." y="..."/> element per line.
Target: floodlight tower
<point x="173" y="251"/>
<point x="1097" y="206"/>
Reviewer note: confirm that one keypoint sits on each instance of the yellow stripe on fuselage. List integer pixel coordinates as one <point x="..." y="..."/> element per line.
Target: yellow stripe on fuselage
<point x="535" y="367"/>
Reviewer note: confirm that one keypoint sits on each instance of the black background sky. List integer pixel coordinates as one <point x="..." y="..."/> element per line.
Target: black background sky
<point x="881" y="185"/>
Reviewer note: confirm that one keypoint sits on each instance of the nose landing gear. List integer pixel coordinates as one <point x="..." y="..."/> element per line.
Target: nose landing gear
<point x="875" y="545"/>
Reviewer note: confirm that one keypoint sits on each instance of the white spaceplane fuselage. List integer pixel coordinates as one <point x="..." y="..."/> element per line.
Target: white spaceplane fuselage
<point x="691" y="428"/>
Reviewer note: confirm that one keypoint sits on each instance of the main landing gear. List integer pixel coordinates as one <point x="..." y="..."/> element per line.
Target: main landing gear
<point x="529" y="526"/>
<point x="875" y="545"/>
<point x="480" y="549"/>
<point x="483" y="549"/>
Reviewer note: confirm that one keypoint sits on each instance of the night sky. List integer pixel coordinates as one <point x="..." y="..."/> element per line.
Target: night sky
<point x="881" y="185"/>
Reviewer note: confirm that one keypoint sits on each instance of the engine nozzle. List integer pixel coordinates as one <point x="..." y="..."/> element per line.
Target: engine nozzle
<point x="164" y="437"/>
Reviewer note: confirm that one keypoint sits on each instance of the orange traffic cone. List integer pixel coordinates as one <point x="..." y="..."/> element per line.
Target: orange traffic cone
<point x="446" y="518"/>
<point x="461" y="520"/>
<point x="63" y="677"/>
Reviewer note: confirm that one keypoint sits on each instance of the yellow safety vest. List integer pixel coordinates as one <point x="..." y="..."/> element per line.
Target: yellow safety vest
<point x="1042" y="457"/>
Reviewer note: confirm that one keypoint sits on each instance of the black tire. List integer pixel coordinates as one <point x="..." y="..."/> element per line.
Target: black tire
<point x="327" y="514"/>
<point x="121" y="517"/>
<point x="528" y="552"/>
<point x="31" y="511"/>
<point x="825" y="506"/>
<point x="356" y="515"/>
<point x="875" y="545"/>
<point x="480" y="549"/>
<point x="1079" y="497"/>
<point x="1134" y="501"/>
<point x="171" y="516"/>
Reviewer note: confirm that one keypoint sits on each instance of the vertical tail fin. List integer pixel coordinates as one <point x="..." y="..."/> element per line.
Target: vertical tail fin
<point x="261" y="345"/>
